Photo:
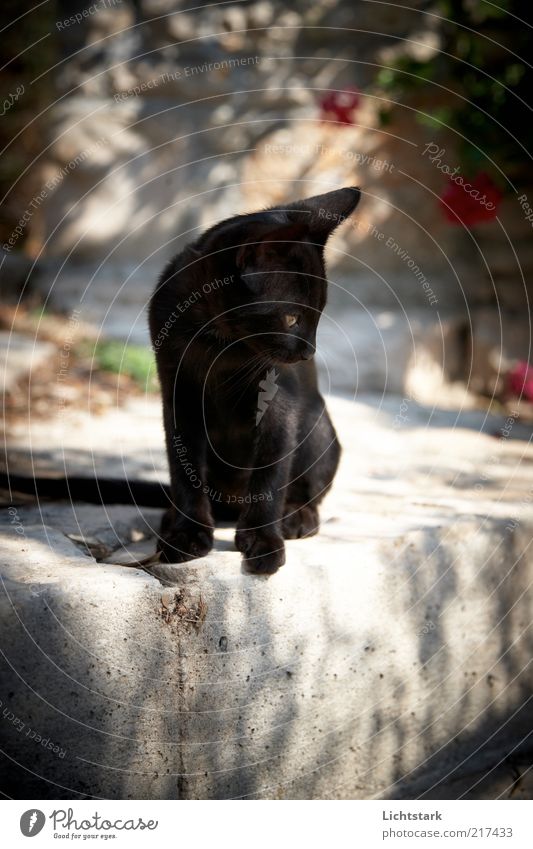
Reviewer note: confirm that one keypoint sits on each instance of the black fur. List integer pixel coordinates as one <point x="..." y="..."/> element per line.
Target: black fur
<point x="248" y="435"/>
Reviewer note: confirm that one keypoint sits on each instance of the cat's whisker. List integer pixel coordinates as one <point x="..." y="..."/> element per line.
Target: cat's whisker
<point x="258" y="372"/>
<point x="246" y="373"/>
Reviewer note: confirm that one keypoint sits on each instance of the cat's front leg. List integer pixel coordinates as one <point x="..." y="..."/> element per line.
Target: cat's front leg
<point x="187" y="526"/>
<point x="183" y="538"/>
<point x="259" y="533"/>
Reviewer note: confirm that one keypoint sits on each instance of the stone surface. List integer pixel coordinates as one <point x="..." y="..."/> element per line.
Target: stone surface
<point x="389" y="658"/>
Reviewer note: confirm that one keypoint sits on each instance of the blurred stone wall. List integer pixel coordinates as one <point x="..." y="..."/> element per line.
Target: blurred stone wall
<point x="175" y="115"/>
<point x="167" y="120"/>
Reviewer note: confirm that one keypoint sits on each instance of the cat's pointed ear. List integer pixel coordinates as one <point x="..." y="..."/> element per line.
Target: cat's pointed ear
<point x="325" y="212"/>
<point x="268" y="242"/>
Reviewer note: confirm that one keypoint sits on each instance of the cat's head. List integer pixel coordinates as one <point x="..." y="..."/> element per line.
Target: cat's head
<point x="280" y="262"/>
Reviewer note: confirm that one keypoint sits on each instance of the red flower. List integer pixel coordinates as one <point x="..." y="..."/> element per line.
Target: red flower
<point x="340" y="106"/>
<point x="469" y="202"/>
<point x="519" y="381"/>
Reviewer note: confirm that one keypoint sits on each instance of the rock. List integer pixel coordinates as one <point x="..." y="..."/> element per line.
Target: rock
<point x="20" y="356"/>
<point x="113" y="527"/>
<point x="131" y="555"/>
<point x="91" y="546"/>
<point x="17" y="275"/>
<point x="185" y="118"/>
<point x="387" y="659"/>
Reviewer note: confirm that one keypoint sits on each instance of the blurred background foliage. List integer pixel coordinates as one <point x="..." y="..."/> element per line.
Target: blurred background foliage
<point x="481" y="76"/>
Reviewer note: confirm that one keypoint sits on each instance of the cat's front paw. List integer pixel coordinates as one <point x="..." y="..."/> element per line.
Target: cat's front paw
<point x="300" y="521"/>
<point x="185" y="541"/>
<point x="264" y="552"/>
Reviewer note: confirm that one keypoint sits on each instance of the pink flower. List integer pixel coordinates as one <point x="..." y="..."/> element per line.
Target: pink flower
<point x="341" y="105"/>
<point x="470" y="201"/>
<point x="519" y="381"/>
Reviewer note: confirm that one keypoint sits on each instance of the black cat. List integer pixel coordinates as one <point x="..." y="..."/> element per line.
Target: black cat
<point x="233" y="323"/>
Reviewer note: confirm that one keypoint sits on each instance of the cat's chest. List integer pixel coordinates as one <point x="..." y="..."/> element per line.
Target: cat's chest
<point x="231" y="447"/>
<point x="230" y="430"/>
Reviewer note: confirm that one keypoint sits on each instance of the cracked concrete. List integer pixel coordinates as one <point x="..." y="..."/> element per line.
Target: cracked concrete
<point x="389" y="658"/>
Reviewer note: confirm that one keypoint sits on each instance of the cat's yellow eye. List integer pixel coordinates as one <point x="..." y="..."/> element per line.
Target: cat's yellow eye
<point x="291" y="320"/>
